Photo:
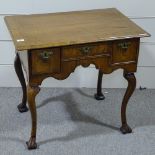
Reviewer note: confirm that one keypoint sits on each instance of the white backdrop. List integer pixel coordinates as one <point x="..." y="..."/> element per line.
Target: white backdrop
<point x="141" y="12"/>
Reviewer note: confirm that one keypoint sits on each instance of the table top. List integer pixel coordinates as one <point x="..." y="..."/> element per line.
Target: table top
<point x="69" y="28"/>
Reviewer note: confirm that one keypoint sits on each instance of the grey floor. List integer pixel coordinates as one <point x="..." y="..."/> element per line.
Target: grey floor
<point x="72" y="122"/>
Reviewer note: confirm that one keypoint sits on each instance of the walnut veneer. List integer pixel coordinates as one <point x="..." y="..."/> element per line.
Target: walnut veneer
<point x="53" y="45"/>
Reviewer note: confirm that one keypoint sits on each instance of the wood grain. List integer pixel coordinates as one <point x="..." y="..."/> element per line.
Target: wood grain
<point x="41" y="66"/>
<point x="61" y="29"/>
<point x="78" y="52"/>
<point x="129" y="55"/>
<point x="105" y="38"/>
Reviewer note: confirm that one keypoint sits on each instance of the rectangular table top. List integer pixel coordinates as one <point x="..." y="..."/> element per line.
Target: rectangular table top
<point x="68" y="28"/>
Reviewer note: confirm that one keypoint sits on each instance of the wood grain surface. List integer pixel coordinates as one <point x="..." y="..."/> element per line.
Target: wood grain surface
<point x="68" y="28"/>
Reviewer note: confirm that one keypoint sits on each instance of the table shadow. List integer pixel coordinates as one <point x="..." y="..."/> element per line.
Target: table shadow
<point x="79" y="117"/>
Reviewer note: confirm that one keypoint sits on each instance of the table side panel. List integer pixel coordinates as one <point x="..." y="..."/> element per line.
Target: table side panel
<point x="23" y="55"/>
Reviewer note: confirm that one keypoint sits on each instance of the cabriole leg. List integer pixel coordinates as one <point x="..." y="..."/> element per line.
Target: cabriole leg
<point x="99" y="95"/>
<point x="130" y="77"/>
<point x="18" y="68"/>
<point x="32" y="91"/>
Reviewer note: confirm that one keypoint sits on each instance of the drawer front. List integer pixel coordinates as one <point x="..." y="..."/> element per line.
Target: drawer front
<point x="125" y="51"/>
<point x="45" y="61"/>
<point x="89" y="50"/>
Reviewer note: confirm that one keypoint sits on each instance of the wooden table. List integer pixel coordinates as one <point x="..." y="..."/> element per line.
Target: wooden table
<point x="53" y="45"/>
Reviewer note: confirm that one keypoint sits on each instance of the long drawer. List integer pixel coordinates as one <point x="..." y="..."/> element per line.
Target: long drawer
<point x="86" y="50"/>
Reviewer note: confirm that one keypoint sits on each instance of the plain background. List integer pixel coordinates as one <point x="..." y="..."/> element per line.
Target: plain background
<point x="141" y="12"/>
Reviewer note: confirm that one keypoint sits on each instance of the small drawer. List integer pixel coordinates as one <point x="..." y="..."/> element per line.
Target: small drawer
<point x="45" y="61"/>
<point x="88" y="50"/>
<point x="125" y="51"/>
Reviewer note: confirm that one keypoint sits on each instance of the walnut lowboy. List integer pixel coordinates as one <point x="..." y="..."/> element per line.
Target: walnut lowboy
<point x="55" y="52"/>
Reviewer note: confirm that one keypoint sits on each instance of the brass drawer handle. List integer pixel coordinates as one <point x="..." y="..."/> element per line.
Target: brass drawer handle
<point x="85" y="50"/>
<point x="45" y="55"/>
<point x="124" y="45"/>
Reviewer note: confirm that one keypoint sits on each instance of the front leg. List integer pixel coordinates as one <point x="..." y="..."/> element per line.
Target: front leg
<point x="32" y="91"/>
<point x="99" y="95"/>
<point x="18" y="68"/>
<point x="130" y="77"/>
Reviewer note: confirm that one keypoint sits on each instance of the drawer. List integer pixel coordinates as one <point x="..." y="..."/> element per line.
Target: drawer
<point x="88" y="50"/>
<point x="125" y="51"/>
<point x="45" y="61"/>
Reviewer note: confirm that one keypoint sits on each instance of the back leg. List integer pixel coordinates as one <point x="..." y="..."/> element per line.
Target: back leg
<point x="99" y="95"/>
<point x="18" y="68"/>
